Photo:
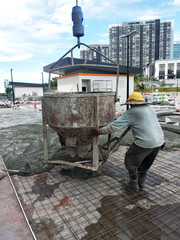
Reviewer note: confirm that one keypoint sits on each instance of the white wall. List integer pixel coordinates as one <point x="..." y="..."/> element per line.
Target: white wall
<point x="123" y="86"/>
<point x="69" y="83"/>
<point x="28" y="91"/>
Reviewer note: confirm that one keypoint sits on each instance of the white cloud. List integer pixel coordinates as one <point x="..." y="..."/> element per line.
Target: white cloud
<point x="103" y="35"/>
<point x="17" y="11"/>
<point x="15" y="58"/>
<point x="177" y="36"/>
<point x="104" y="9"/>
<point x="102" y="41"/>
<point x="43" y="64"/>
<point x="147" y="17"/>
<point x="32" y="76"/>
<point x="29" y="26"/>
<point x="174" y="3"/>
<point x="35" y="76"/>
<point x="103" y="38"/>
<point x="152" y="13"/>
<point x="24" y="76"/>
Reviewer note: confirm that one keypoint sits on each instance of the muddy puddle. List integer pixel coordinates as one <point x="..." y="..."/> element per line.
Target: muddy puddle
<point x="137" y="217"/>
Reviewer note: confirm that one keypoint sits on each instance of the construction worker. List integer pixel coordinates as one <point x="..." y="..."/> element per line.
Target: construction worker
<point x="148" y="138"/>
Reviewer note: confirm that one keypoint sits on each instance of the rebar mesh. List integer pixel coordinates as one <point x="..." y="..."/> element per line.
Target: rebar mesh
<point x="59" y="207"/>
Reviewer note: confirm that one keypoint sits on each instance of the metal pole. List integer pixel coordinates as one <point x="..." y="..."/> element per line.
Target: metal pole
<point x="12" y="86"/>
<point x="42" y="81"/>
<point x="72" y="59"/>
<point x="127" y="70"/>
<point x="49" y="82"/>
<point x="117" y="84"/>
<point x="176" y="80"/>
<point x="151" y="85"/>
<point x="127" y="36"/>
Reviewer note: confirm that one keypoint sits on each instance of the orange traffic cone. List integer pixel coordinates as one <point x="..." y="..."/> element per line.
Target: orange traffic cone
<point x="34" y="104"/>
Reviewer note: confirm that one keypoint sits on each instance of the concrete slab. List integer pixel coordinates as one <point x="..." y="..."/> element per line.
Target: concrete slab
<point x="59" y="207"/>
<point x="13" y="224"/>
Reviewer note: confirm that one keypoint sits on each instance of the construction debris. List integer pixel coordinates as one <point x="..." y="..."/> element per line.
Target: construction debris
<point x="4" y="104"/>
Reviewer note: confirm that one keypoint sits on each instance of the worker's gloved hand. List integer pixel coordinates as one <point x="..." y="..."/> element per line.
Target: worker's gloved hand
<point x="95" y="132"/>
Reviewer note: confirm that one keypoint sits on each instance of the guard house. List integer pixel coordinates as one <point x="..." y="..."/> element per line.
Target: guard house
<point x="22" y="89"/>
<point x="90" y="77"/>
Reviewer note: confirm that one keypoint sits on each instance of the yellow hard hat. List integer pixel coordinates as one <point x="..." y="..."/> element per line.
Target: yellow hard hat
<point x="135" y="98"/>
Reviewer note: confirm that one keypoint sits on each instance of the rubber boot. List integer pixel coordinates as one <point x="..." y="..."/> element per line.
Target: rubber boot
<point x="141" y="178"/>
<point x="133" y="182"/>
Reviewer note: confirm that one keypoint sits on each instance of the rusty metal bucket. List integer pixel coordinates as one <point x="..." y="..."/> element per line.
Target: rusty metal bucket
<point x="72" y="116"/>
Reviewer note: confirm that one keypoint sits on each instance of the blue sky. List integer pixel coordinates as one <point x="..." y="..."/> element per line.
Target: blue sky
<point x="35" y="33"/>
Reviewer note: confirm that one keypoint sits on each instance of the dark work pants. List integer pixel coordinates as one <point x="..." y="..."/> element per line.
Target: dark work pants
<point x="138" y="158"/>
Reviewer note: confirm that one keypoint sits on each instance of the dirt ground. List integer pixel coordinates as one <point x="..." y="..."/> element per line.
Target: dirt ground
<point x="21" y="139"/>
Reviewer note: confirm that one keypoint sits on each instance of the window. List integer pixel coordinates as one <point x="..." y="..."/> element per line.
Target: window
<point x="171" y="70"/>
<point x="178" y="71"/>
<point x="161" y="71"/>
<point x="102" y="85"/>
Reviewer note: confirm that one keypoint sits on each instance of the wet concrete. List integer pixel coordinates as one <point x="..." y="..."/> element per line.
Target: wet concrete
<point x="25" y="115"/>
<point x="21" y="139"/>
<point x="42" y="188"/>
<point x="171" y="128"/>
<point x="24" y="144"/>
<point x="41" y="229"/>
<point x="78" y="173"/>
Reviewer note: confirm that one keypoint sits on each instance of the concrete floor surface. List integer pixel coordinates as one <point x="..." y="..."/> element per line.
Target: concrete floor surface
<point x="61" y="208"/>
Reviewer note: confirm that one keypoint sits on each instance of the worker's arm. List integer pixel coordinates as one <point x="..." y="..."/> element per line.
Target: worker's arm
<point x="119" y="123"/>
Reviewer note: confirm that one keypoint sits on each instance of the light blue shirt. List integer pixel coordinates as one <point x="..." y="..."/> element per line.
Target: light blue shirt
<point x="144" y="124"/>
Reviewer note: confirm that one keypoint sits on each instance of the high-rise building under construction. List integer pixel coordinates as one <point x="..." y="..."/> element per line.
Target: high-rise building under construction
<point x="153" y="41"/>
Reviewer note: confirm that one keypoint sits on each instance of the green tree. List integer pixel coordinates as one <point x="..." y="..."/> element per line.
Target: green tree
<point x="163" y="84"/>
<point x="140" y="87"/>
<point x="54" y="82"/>
<point x="140" y="82"/>
<point x="8" y="91"/>
<point x="137" y="78"/>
